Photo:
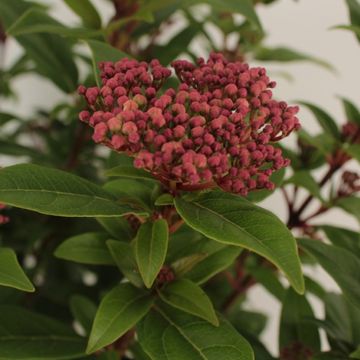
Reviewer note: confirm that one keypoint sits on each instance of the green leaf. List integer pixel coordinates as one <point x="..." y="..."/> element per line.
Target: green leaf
<point x="353" y="150"/>
<point x="259" y="195"/>
<point x="213" y="263"/>
<point x="118" y="312"/>
<point x="355" y="354"/>
<point x="124" y="256"/>
<point x="28" y="336"/>
<point x="345" y="238"/>
<point x="103" y="52"/>
<point x="183" y="294"/>
<point x="244" y="7"/>
<point x="83" y="310"/>
<point x="350" y="204"/>
<point x="354" y="12"/>
<point x="117" y="227"/>
<point x="284" y="54"/>
<point x="304" y="179"/>
<point x="351" y="111"/>
<point x="233" y="220"/>
<point x="6" y="117"/>
<point x="324" y="119"/>
<point x="88" y="248"/>
<point x="129" y="172"/>
<point x="340" y="264"/>
<point x="86" y="11"/>
<point x="293" y="325"/>
<point x="169" y="334"/>
<point x="268" y="280"/>
<point x="51" y="54"/>
<point x="164" y="200"/>
<point x="150" y="249"/>
<point x="54" y="192"/>
<point x="36" y="21"/>
<point x="11" y="274"/>
<point x="134" y="192"/>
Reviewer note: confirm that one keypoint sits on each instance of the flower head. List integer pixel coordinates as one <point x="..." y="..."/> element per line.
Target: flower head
<point x="218" y="127"/>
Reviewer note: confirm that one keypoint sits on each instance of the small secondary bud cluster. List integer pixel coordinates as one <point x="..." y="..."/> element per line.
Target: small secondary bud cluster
<point x="217" y="128"/>
<point x="350" y="183"/>
<point x="3" y="218"/>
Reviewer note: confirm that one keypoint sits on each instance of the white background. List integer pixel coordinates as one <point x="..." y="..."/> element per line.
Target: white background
<point x="303" y="25"/>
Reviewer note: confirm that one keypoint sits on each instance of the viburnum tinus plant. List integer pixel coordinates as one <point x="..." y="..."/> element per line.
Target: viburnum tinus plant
<point x="131" y="223"/>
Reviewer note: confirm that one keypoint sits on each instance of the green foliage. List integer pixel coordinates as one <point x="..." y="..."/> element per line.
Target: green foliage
<point x="11" y="273"/>
<point x="229" y="219"/>
<point x="118" y="312"/>
<point x="140" y="268"/>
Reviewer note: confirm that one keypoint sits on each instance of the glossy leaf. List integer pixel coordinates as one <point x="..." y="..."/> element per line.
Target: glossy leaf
<point x="124" y="257"/>
<point x="185" y="295"/>
<point x="231" y="219"/>
<point x="28" y="336"/>
<point x="88" y="248"/>
<point x="11" y="274"/>
<point x="86" y="11"/>
<point x="324" y="119"/>
<point x="55" y="192"/>
<point x="150" y="249"/>
<point x="118" y="312"/>
<point x="83" y="310"/>
<point x="169" y="334"/>
<point x="340" y="264"/>
<point x="294" y="327"/>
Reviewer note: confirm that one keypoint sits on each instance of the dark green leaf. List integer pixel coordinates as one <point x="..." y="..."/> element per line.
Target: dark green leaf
<point x="293" y="325"/>
<point x="28" y="336"/>
<point x="124" y="256"/>
<point x="189" y="297"/>
<point x="118" y="312"/>
<point x="353" y="150"/>
<point x="350" y="204"/>
<point x="304" y="179"/>
<point x="11" y="274"/>
<point x="233" y="220"/>
<point x="55" y="192"/>
<point x="283" y="54"/>
<point x="324" y="119"/>
<point x="103" y="52"/>
<point x="169" y="334"/>
<point x="6" y="117"/>
<point x="83" y="310"/>
<point x="354" y="12"/>
<point x="86" y="11"/>
<point x="345" y="238"/>
<point x="351" y="111"/>
<point x="340" y="264"/>
<point x="51" y="54"/>
<point x="36" y="21"/>
<point x="213" y="263"/>
<point x="117" y="227"/>
<point x="88" y="248"/>
<point x="150" y="249"/>
<point x="129" y="172"/>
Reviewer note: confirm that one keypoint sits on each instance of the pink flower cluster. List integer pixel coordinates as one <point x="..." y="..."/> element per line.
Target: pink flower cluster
<point x="3" y="218"/>
<point x="217" y="128"/>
